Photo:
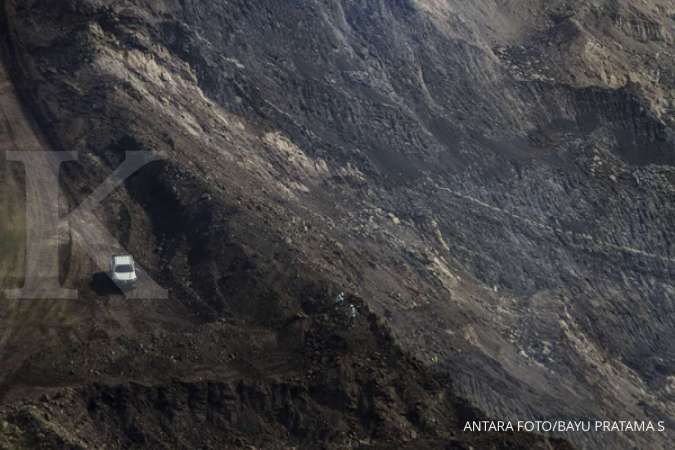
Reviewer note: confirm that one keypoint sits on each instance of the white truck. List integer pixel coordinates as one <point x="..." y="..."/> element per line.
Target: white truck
<point x="123" y="271"/>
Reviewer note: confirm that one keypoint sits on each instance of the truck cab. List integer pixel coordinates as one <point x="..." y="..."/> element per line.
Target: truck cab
<point x="123" y="271"/>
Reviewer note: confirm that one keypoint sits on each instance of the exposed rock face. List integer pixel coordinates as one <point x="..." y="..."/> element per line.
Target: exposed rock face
<point x="495" y="178"/>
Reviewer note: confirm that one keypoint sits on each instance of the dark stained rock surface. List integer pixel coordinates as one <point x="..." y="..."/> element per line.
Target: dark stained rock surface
<point x="494" y="179"/>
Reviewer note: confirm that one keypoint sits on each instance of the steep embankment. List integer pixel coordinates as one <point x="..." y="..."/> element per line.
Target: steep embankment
<point x="278" y="364"/>
<point x="293" y="369"/>
<point x="495" y="178"/>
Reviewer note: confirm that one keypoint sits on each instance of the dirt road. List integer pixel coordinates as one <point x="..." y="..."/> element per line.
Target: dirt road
<point x="40" y="311"/>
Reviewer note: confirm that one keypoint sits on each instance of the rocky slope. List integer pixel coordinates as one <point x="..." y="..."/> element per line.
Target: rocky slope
<point x="493" y="178"/>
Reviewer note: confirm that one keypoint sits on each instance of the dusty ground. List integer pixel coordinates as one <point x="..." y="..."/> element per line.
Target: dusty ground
<point x="495" y="180"/>
<point x="107" y="370"/>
